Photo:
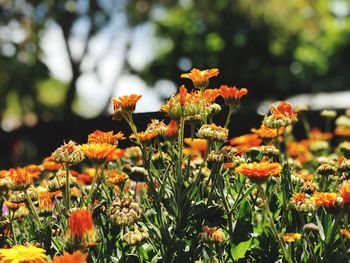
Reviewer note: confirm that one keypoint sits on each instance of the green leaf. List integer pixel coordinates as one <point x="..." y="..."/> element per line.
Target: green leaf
<point x="320" y="227"/>
<point x="239" y="251"/>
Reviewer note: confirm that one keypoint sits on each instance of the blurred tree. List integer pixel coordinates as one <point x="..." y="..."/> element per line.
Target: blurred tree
<point x="275" y="48"/>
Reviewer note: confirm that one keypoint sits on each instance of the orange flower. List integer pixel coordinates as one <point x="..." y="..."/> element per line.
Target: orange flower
<point x="342" y="131"/>
<point x="299" y="198"/>
<point x="245" y="142"/>
<point x="259" y="172"/>
<point x="317" y="135"/>
<point x="76" y="257"/>
<point x="144" y="137"/>
<point x="291" y="237"/>
<point x="116" y="155"/>
<point x="126" y="103"/>
<point x="183" y="94"/>
<point x="211" y="94"/>
<point x="80" y="224"/>
<point x="13" y="206"/>
<point x="266" y="132"/>
<point x="200" y="78"/>
<point x="21" y="178"/>
<point x="283" y="110"/>
<point x="324" y="199"/>
<point x="231" y="95"/>
<point x="115" y="178"/>
<point x="345" y="232"/>
<point x="197" y="145"/>
<point x="98" y="152"/>
<point x="345" y="192"/>
<point x="105" y="137"/>
<point x="171" y="130"/>
<point x="44" y="200"/>
<point x="50" y="165"/>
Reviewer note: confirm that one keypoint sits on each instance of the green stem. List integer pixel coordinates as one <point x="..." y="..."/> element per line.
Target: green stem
<point x="67" y="195"/>
<point x="272" y="224"/>
<point x="228" y="118"/>
<point x="32" y="208"/>
<point x="12" y="228"/>
<point x="94" y="180"/>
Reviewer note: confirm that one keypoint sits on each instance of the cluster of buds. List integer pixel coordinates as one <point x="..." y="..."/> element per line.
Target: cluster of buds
<point x="212" y="235"/>
<point x="124" y="211"/>
<point x="136" y="236"/>
<point x="212" y="132"/>
<point x="281" y="116"/>
<point x="301" y="202"/>
<point x="223" y="155"/>
<point x="69" y="154"/>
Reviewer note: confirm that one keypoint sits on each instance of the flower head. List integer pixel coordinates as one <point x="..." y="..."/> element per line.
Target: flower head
<point x="212" y="235"/>
<point x="200" y="78"/>
<point x="69" y="153"/>
<point x="171" y="130"/>
<point x="81" y="229"/>
<point x="124" y="105"/>
<point x="231" y="95"/>
<point x="282" y="115"/>
<point x="22" y="254"/>
<point x="213" y="132"/>
<point x="245" y="142"/>
<point x="98" y="152"/>
<point x="325" y="199"/>
<point x="20" y="178"/>
<point x="76" y="257"/>
<point x="291" y="237"/>
<point x="105" y="137"/>
<point x="259" y="172"/>
<point x="345" y="192"/>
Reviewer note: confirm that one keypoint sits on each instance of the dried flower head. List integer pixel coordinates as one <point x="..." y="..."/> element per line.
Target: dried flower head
<point x="212" y="132"/>
<point x="69" y="154"/>
<point x="136" y="236"/>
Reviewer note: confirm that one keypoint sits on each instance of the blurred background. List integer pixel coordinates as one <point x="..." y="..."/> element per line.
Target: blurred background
<point x="61" y="61"/>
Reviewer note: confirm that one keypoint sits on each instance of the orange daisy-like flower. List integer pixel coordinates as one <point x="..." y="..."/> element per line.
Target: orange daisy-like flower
<point x="115" y="178"/>
<point x="105" y="137"/>
<point x="80" y="227"/>
<point x="76" y="257"/>
<point x="211" y="94"/>
<point x="245" y="142"/>
<point x="197" y="145"/>
<point x="259" y="172"/>
<point x="324" y="199"/>
<point x="342" y="131"/>
<point x="124" y="105"/>
<point x="50" y="165"/>
<point x="44" y="200"/>
<point x="345" y="232"/>
<point x="13" y="206"/>
<point x="98" y="152"/>
<point x="231" y="95"/>
<point x="291" y="237"/>
<point x="144" y="137"/>
<point x="267" y="133"/>
<point x="317" y="135"/>
<point x="283" y="109"/>
<point x="345" y="192"/>
<point x="171" y="130"/>
<point x="200" y="78"/>
<point x="299" y="198"/>
<point x="21" y="178"/>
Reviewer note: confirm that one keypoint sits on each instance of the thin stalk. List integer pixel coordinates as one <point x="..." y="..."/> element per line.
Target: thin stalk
<point x="94" y="180"/>
<point x="32" y="208"/>
<point x="272" y="224"/>
<point x="12" y="228"/>
<point x="67" y="195"/>
<point x="228" y="118"/>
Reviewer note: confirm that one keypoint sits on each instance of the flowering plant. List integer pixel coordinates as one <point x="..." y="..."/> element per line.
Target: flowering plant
<point x="185" y="190"/>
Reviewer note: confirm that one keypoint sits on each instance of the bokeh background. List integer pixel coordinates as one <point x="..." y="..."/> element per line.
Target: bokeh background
<point x="61" y="61"/>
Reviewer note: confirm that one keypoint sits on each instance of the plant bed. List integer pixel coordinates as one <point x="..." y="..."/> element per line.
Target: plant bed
<point x="201" y="197"/>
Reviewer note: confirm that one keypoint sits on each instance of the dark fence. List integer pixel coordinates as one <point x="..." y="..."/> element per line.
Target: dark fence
<point x="32" y="144"/>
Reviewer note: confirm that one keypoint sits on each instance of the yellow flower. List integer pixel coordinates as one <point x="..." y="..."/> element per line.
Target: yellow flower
<point x="291" y="237"/>
<point x="22" y="254"/>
